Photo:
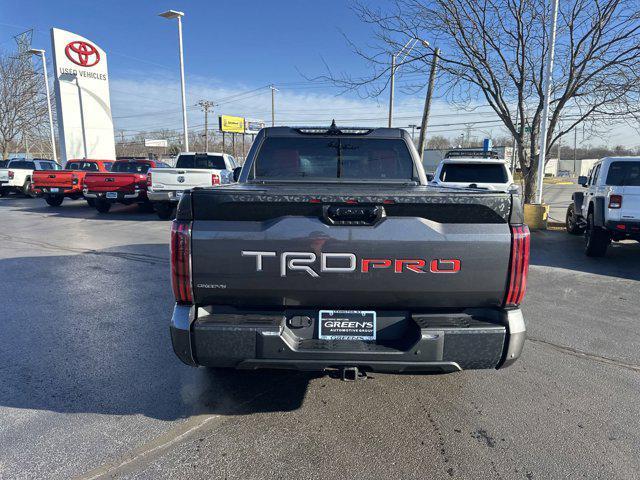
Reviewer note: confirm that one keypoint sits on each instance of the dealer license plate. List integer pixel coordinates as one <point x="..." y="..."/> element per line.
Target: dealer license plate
<point x="347" y="325"/>
<point x="112" y="194"/>
<point x="54" y="190"/>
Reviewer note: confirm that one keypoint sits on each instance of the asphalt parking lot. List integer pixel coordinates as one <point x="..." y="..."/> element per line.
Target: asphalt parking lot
<point x="90" y="386"/>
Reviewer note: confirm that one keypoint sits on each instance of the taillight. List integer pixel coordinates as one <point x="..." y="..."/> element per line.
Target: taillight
<point x="181" y="261"/>
<point x="11" y="174"/>
<point x="149" y="179"/>
<point x="615" y="201"/>
<point x="74" y="179"/>
<point x="518" y="266"/>
<point x="215" y="179"/>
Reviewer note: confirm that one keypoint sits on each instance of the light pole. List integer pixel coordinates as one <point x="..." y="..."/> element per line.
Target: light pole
<point x="406" y="50"/>
<point x="413" y="132"/>
<point x="171" y="14"/>
<point x="40" y="53"/>
<point x="273" y="104"/>
<point x="545" y="99"/>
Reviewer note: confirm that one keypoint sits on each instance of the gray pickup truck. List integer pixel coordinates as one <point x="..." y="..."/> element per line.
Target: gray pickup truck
<point x="332" y="252"/>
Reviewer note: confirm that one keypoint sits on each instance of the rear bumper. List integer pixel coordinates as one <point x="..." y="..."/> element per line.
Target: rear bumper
<point x="162" y="196"/>
<point x="66" y="191"/>
<point x="625" y="228"/>
<point x="122" y="196"/>
<point x="433" y="343"/>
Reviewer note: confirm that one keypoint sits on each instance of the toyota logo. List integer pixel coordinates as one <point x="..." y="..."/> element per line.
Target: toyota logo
<point x="82" y="53"/>
<point x="180" y="179"/>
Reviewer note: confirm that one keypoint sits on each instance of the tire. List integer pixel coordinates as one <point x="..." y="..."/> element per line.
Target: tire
<point x="91" y="202"/>
<point x="54" y="200"/>
<point x="26" y="189"/>
<point x="596" y="239"/>
<point x="146" y="207"/>
<point x="572" y="225"/>
<point x="164" y="211"/>
<point x="102" y="206"/>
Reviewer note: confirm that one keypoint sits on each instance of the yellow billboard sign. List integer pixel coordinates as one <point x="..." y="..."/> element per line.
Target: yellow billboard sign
<point x="229" y="123"/>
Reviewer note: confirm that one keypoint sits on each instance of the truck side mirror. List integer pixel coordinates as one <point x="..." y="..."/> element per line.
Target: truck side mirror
<point x="582" y="180"/>
<point x="236" y="173"/>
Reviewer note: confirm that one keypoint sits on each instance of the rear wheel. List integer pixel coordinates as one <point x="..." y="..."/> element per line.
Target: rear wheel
<point x="572" y="225"/>
<point x="54" y="200"/>
<point x="102" y="206"/>
<point x="164" y="210"/>
<point x="26" y="189"/>
<point x="596" y="239"/>
<point x="146" y="207"/>
<point x="91" y="202"/>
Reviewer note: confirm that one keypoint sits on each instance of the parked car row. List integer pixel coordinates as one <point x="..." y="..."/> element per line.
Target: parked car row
<point x="153" y="185"/>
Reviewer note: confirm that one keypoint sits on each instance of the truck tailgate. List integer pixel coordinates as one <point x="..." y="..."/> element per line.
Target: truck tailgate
<point x="114" y="182"/>
<point x="180" y="179"/>
<point x="284" y="247"/>
<point x="52" y="178"/>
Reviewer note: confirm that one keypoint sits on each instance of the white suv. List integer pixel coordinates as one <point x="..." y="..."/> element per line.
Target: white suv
<point x="486" y="173"/>
<point x="609" y="210"/>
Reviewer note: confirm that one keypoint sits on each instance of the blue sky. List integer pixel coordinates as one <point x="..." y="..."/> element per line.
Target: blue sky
<point x="232" y="48"/>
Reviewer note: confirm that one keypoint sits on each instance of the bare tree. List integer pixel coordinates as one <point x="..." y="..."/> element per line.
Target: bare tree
<point x="23" y="105"/>
<point x="494" y="50"/>
<point x="439" y="142"/>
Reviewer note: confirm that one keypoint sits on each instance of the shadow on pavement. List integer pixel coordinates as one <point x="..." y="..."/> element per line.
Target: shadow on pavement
<point x="558" y="249"/>
<point x="89" y="333"/>
<point x="76" y="209"/>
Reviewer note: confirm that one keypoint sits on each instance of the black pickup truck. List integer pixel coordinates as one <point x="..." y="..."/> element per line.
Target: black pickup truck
<point x="332" y="252"/>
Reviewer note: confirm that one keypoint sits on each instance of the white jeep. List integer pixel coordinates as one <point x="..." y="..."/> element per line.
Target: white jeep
<point x="609" y="209"/>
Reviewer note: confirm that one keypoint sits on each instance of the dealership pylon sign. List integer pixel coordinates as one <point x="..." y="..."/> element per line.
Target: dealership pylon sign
<point x="82" y="97"/>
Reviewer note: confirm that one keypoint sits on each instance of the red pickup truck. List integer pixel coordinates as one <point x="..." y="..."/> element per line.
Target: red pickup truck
<point x="55" y="185"/>
<point x="126" y="183"/>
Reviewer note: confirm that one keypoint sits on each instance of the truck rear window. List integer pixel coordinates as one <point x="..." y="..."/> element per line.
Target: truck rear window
<point x="209" y="162"/>
<point x="473" y="173"/>
<point x="22" y="164"/>
<point x="332" y="158"/>
<point x="130" y="167"/>
<point x="86" y="166"/>
<point x="624" y="174"/>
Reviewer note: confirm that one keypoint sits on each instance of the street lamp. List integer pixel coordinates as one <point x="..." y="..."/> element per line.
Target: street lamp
<point x="406" y="50"/>
<point x="40" y="53"/>
<point x="545" y="99"/>
<point x="171" y="14"/>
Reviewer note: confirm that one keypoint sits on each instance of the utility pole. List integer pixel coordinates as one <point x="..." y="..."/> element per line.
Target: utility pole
<point x="273" y="104"/>
<point x="206" y="105"/>
<point x="427" y="104"/>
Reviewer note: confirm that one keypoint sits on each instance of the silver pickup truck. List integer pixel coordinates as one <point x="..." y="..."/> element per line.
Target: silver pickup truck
<point x="333" y="252"/>
<point x="166" y="185"/>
